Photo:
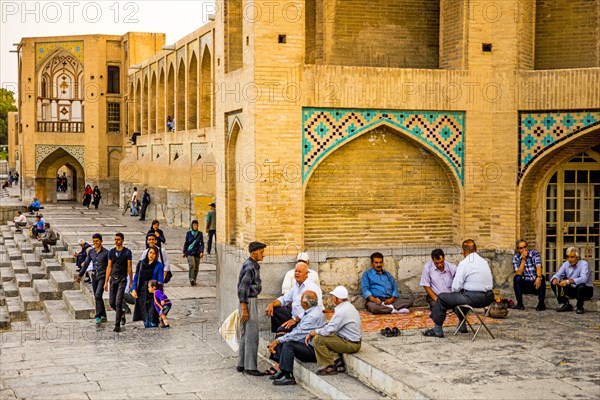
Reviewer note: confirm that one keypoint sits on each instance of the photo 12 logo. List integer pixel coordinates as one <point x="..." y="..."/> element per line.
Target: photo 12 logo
<point x="55" y="12"/>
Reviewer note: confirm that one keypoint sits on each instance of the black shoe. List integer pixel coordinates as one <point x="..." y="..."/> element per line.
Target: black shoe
<point x="123" y="319"/>
<point x="540" y="307"/>
<point x="520" y="306"/>
<point x="193" y="282"/>
<point x="280" y="374"/>
<point x="239" y="369"/>
<point x="580" y="310"/>
<point x="45" y="251"/>
<point x="565" y="307"/>
<point x="463" y="329"/>
<point x="254" y="372"/>
<point x="431" y="333"/>
<point x="285" y="381"/>
<point x="117" y="328"/>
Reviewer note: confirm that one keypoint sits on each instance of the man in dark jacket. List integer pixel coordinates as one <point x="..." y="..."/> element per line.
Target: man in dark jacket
<point x="145" y="204"/>
<point x="49" y="238"/>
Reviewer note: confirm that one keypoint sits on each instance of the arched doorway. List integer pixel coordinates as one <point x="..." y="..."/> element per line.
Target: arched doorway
<point x="572" y="211"/>
<point x="381" y="189"/>
<point x="57" y="163"/>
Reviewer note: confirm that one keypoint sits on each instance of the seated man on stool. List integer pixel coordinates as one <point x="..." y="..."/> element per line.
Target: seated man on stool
<point x="574" y="280"/>
<point x="285" y="348"/>
<point x="528" y="275"/>
<point x="472" y="286"/>
<point x="342" y="335"/>
<point x="380" y="291"/>
<point x="282" y="318"/>
<point x="437" y="276"/>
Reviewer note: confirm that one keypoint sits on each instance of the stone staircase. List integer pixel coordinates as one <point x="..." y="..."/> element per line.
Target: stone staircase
<point x="37" y="287"/>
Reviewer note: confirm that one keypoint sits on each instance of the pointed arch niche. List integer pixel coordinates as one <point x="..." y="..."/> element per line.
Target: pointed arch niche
<point x="60" y="99"/>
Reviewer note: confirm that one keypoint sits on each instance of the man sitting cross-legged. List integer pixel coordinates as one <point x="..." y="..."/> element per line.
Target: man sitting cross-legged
<point x="380" y="290"/>
<point x="284" y="348"/>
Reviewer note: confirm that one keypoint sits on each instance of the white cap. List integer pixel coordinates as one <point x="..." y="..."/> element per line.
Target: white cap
<point x="81" y="241"/>
<point x="302" y="257"/>
<point x="340" y="292"/>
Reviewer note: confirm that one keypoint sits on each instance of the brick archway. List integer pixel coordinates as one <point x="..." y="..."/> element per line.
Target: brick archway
<point x="45" y="179"/>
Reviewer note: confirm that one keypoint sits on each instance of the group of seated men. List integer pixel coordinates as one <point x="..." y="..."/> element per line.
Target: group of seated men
<point x="302" y="332"/>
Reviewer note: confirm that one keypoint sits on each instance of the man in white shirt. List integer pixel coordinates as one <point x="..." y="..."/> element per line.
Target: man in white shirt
<point x="134" y="197"/>
<point x="20" y="221"/>
<point x="283" y="319"/>
<point x="472" y="285"/>
<point x="288" y="279"/>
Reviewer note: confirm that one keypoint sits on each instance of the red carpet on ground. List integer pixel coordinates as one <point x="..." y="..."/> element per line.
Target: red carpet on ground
<point x="417" y="319"/>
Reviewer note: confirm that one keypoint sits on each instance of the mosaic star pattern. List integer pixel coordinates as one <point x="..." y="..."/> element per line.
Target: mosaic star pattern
<point x="539" y="131"/>
<point x="44" y="150"/>
<point x="43" y="50"/>
<point x="326" y="129"/>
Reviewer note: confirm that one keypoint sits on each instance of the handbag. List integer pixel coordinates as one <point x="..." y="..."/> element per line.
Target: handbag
<point x="168" y="276"/>
<point x="499" y="309"/>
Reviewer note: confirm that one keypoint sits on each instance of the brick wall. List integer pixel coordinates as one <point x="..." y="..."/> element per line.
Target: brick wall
<point x="401" y="33"/>
<point x="379" y="190"/>
<point x="233" y="34"/>
<point x="452" y="34"/>
<point x="567" y="34"/>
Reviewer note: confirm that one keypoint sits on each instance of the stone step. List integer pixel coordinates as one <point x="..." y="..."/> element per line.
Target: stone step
<point x="30" y="299"/>
<point x="65" y="257"/>
<point x="37" y="318"/>
<point x="25" y="247"/>
<point x="10" y="289"/>
<point x="50" y="264"/>
<point x="19" y="237"/>
<point x="36" y="273"/>
<point x="340" y="386"/>
<point x="70" y="269"/>
<point x="86" y="289"/>
<point x="31" y="260"/>
<point x="4" y="260"/>
<point x="7" y="274"/>
<point x="2" y="298"/>
<point x="78" y="304"/>
<point x="43" y="254"/>
<point x="23" y="280"/>
<point x="46" y="289"/>
<point x="61" y="280"/>
<point x="4" y="317"/>
<point x="14" y="254"/>
<point x="382" y="371"/>
<point x="57" y="311"/>
<point x="59" y="246"/>
<point x="15" y="309"/>
<point x="19" y="268"/>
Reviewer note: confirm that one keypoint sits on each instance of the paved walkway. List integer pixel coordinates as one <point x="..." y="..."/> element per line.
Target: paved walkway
<point x="76" y="360"/>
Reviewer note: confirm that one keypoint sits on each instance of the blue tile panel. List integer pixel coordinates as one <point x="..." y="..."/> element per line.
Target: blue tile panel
<point x="325" y="129"/>
<point x="540" y="131"/>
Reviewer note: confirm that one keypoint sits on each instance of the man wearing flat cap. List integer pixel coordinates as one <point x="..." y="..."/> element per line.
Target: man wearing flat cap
<point x="249" y="287"/>
<point x="211" y="226"/>
<point x="342" y="335"/>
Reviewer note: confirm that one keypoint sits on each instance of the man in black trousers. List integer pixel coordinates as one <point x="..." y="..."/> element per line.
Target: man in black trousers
<point x="98" y="256"/>
<point x="119" y="267"/>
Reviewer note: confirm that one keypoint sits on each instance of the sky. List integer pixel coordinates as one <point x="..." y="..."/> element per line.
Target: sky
<point x="19" y="19"/>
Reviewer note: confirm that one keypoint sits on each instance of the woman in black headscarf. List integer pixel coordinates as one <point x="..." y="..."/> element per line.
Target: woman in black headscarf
<point x="147" y="269"/>
<point x="97" y="196"/>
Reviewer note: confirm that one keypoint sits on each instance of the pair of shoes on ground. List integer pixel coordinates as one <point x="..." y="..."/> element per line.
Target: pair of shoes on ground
<point x="390" y="332"/>
<point x="568" y="307"/>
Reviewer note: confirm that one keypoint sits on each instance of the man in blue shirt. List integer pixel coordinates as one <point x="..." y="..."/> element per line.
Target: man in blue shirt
<point x="380" y="290"/>
<point x="529" y="278"/>
<point x="34" y="206"/>
<point x="573" y="280"/>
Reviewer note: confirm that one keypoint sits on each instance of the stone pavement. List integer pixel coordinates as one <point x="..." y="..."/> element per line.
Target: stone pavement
<point x="74" y="359"/>
<point x="536" y="355"/>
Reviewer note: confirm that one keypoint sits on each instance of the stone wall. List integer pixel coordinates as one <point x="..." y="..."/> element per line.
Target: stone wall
<point x="8" y="213"/>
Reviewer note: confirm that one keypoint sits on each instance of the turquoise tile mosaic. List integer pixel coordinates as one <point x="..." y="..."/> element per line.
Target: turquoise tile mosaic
<point x="325" y="129"/>
<point x="539" y="131"/>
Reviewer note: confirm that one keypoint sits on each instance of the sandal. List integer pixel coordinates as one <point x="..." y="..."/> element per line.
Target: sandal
<point x="386" y="331"/>
<point x="271" y="371"/>
<point x="396" y="331"/>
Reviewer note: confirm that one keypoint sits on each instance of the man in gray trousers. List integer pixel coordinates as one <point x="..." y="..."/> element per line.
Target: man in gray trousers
<point x="249" y="287"/>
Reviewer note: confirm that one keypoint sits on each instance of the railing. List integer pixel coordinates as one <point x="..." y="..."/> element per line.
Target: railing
<point x="60" y="126"/>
